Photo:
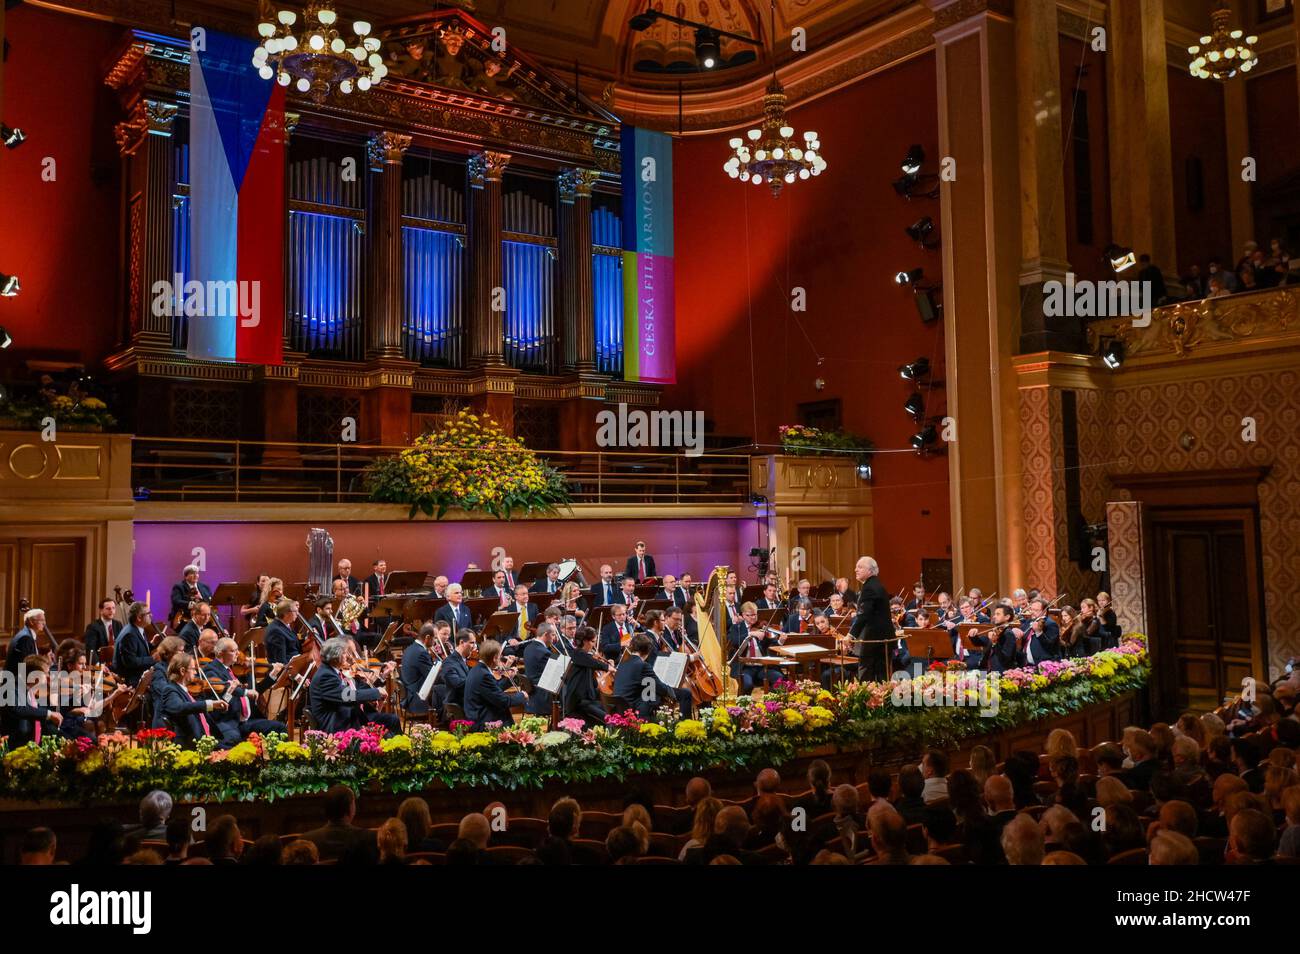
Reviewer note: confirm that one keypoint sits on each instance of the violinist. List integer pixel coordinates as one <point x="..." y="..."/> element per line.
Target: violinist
<point x="268" y="611"/>
<point x="821" y="626"/>
<point x="163" y="655"/>
<point x="842" y="587"/>
<point x="539" y="651"/>
<point x="337" y="700"/>
<point x="635" y="679"/>
<point x="615" y="634"/>
<point x="188" y="590"/>
<point x="580" y="695"/>
<point x="33" y="719"/>
<point x="1090" y="618"/>
<point x="1073" y="632"/>
<point x="947" y="612"/>
<point x="835" y="608"/>
<point x="33" y="639"/>
<point x="1110" y="629"/>
<point x="656" y="630"/>
<point x="237" y="721"/>
<point x="131" y="653"/>
<point x="1042" y="640"/>
<point x="966" y="614"/>
<point x="417" y="662"/>
<point x="999" y="643"/>
<point x="180" y="711"/>
<point x="200" y="619"/>
<point x="76" y="687"/>
<point x="456" y="667"/>
<point x="103" y="630"/>
<point x="255" y="601"/>
<point x="918" y="596"/>
<point x="801" y="620"/>
<point x="1020" y="605"/>
<point x="281" y="641"/>
<point x="486" y="699"/>
<point x="747" y="640"/>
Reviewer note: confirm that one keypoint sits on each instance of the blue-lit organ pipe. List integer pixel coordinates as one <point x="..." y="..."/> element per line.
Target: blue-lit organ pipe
<point x="434" y="269"/>
<point x="529" y="269"/>
<point x="607" y="284"/>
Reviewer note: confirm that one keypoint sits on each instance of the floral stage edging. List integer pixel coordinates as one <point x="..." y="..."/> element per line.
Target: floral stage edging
<point x="796" y="718"/>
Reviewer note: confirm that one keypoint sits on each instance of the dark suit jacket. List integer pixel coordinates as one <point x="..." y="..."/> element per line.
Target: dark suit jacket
<point x="458" y="616"/>
<point x="540" y="586"/>
<point x="792" y="623"/>
<point x="736" y="635"/>
<point x="599" y="596"/>
<point x="536" y="655"/>
<point x="178" y="711"/>
<point x="190" y="633"/>
<point x="417" y="662"/>
<point x="281" y="643"/>
<point x="631" y="568"/>
<point x="1047" y="646"/>
<point x="354" y="586"/>
<point x="372" y="581"/>
<point x="333" y="712"/>
<point x="495" y="593"/>
<point x="455" y="672"/>
<point x="235" y="713"/>
<point x="679" y="597"/>
<point x="611" y="643"/>
<point x="131" y="655"/>
<point x="344" y="843"/>
<point x="529" y="610"/>
<point x="629" y="682"/>
<point x="181" y="596"/>
<point x="485" y="701"/>
<point x="1140" y="775"/>
<point x="1003" y="655"/>
<point x="19" y="722"/>
<point x="96" y="636"/>
<point x="872" y="620"/>
<point x="580" y="696"/>
<point x="21" y="646"/>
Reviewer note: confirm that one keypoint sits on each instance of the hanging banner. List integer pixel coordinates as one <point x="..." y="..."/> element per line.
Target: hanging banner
<point x="649" y="346"/>
<point x="234" y="298"/>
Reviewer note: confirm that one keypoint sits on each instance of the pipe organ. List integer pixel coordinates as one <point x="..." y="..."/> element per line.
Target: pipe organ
<point x="388" y="323"/>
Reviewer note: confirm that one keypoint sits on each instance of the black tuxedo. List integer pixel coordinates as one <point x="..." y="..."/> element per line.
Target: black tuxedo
<point x="536" y="655"/>
<point x="182" y="713"/>
<point x="455" y="672"/>
<point x="334" y="706"/>
<point x="764" y="604"/>
<point x="240" y="720"/>
<point x="181" y="596"/>
<point x="417" y="663"/>
<point x="606" y="594"/>
<point x="281" y="643"/>
<point x="543" y="586"/>
<point x="1045" y="647"/>
<point x="20" y="722"/>
<point x="580" y="697"/>
<point x="190" y="633"/>
<point x="496" y="594"/>
<point x="485" y="700"/>
<point x="97" y="636"/>
<point x="458" y="616"/>
<point x="20" y="647"/>
<point x="999" y="656"/>
<point x="131" y="655"/>
<point x="372" y="581"/>
<point x="633" y="571"/>
<point x="630" y="682"/>
<point x="792" y="623"/>
<point x="679" y="597"/>
<point x="611" y="640"/>
<point x="872" y="622"/>
<point x="737" y="636"/>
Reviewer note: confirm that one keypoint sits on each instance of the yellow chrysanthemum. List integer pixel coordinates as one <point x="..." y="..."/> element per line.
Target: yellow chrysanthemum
<point x="245" y="753"/>
<point x="651" y="729"/>
<point x="689" y="730"/>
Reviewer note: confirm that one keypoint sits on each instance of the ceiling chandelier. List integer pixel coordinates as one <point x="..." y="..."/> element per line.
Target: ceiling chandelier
<point x="1222" y="53"/>
<point x="313" y="55"/>
<point x="772" y="153"/>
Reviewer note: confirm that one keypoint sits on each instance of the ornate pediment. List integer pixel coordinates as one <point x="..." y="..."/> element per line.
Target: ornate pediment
<point x="449" y="49"/>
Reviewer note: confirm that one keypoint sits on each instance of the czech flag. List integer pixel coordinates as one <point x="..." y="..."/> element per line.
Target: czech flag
<point x="649" y="345"/>
<point x="237" y="156"/>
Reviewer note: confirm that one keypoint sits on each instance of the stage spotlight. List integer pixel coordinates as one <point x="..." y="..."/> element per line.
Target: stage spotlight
<point x="915" y="406"/>
<point x="1113" y="355"/>
<point x="644" y="21"/>
<point x="6" y="339"/>
<point x="928" y="305"/>
<point x="1120" y="258"/>
<point x="910" y="277"/>
<point x="921" y="231"/>
<point x="916" y="370"/>
<point x="925" y="437"/>
<point x="9" y="286"/>
<point x="913" y="161"/>
<point x="707" y="51"/>
<point x="864" y="471"/>
<point x="12" y="138"/>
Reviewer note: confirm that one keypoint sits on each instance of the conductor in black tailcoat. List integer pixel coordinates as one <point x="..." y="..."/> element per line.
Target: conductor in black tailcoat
<point x="872" y="622"/>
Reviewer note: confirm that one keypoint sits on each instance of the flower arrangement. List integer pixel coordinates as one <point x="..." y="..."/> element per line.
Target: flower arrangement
<point x="800" y="440"/>
<point x="78" y="413"/>
<point x="470" y="464"/>
<point x="745" y="732"/>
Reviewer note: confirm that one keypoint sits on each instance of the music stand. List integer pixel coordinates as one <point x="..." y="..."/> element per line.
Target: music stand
<point x="503" y="624"/>
<point x="600" y="615"/>
<point x="824" y="590"/>
<point x="530" y="573"/>
<point x="391" y="606"/>
<point x="476" y="580"/>
<point x="296" y="591"/>
<point x="482" y="607"/>
<point x="933" y="643"/>
<point x="231" y="595"/>
<point x="752" y="593"/>
<point x="645" y="591"/>
<point x="646" y="606"/>
<point x="404" y="581"/>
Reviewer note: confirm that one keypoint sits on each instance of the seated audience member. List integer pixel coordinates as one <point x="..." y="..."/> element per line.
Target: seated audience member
<point x="1022" y="841"/>
<point x="179" y="837"/>
<point x="1172" y="848"/>
<point x="847" y="821"/>
<point x="888" y="835"/>
<point x="768" y="816"/>
<point x="934" y="769"/>
<point x="300" y="852"/>
<point x="939" y="825"/>
<point x="267" y="850"/>
<point x="1123" y="830"/>
<point x="38" y="847"/>
<point x="391" y="841"/>
<point x="623" y="845"/>
<point x="730" y="832"/>
<point x="338" y="839"/>
<point x="818" y="801"/>
<point x="414" y="814"/>
<point x="224" y="841"/>
<point x="1289" y="846"/>
<point x="706" y="813"/>
<point x="1251" y="837"/>
<point x="155" y="809"/>
<point x="911" y="801"/>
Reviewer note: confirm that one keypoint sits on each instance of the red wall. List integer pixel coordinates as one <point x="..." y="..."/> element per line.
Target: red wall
<point x="1197" y="131"/>
<point x="60" y="237"/>
<point x="840" y="237"/>
<point x="1083" y="71"/>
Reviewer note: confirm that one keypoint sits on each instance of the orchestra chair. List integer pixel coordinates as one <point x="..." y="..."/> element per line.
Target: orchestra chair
<point x="1044" y="789"/>
<point x="406" y="717"/>
<point x="453" y="712"/>
<point x="747" y="803"/>
<point x="286" y="840"/>
<point x="1134" y="856"/>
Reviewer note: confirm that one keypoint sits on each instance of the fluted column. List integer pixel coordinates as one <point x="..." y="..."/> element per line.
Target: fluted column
<point x="486" y="330"/>
<point x="384" y="315"/>
<point x="578" y="296"/>
<point x="144" y="140"/>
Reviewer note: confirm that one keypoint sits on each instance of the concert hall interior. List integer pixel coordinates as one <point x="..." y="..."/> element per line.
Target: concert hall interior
<point x="323" y="326"/>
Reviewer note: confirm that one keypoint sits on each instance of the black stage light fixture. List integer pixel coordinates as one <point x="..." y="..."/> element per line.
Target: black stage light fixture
<point x="1119" y="257"/>
<point x="9" y="286"/>
<point x="864" y="470"/>
<point x="922" y="231"/>
<point x="1113" y="354"/>
<point x="913" y="161"/>
<point x="644" y="21"/>
<point x="925" y="437"/>
<point x="707" y="49"/>
<point x="6" y="339"/>
<point x="928" y="305"/>
<point x="910" y="277"/>
<point x="915" y="406"/>
<point x="916" y="370"/>
<point x="12" y="138"/>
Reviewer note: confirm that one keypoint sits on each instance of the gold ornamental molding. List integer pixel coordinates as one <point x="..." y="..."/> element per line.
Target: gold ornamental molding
<point x="1233" y="324"/>
<point x="487" y="166"/>
<point x="577" y="183"/>
<point x="387" y="147"/>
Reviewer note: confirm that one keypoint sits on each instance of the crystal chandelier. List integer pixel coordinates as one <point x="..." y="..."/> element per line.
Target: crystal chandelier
<point x="315" y="57"/>
<point x="772" y="153"/>
<point x="1221" y="54"/>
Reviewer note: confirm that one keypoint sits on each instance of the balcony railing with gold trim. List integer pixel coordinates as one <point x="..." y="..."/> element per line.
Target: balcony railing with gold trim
<point x="198" y="469"/>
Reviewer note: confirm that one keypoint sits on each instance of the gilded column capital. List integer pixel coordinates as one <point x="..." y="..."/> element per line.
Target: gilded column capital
<point x="487" y="166"/>
<point x="577" y="183"/>
<point x="149" y="117"/>
<point x="386" y="147"/>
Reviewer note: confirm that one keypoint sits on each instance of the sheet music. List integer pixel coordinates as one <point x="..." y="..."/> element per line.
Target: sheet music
<point x="553" y="675"/>
<point x="426" y="687"/>
<point x="671" y="668"/>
